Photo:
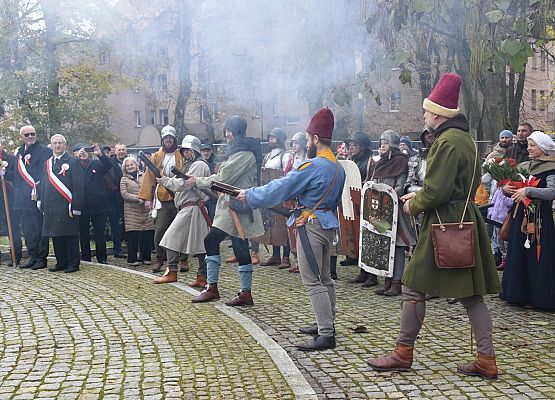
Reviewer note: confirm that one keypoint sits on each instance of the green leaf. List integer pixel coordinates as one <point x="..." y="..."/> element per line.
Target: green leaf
<point x="504" y="4"/>
<point x="512" y="47"/>
<point x="494" y="16"/>
<point x="423" y="6"/>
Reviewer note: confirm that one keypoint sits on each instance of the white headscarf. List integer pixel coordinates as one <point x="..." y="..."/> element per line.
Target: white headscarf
<point x="544" y="142"/>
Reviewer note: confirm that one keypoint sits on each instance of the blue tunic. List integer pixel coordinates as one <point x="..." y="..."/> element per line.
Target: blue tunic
<point x="309" y="183"/>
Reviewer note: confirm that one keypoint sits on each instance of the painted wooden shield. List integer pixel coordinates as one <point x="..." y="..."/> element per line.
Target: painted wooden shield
<point x="275" y="225"/>
<point x="349" y="210"/>
<point x="378" y="226"/>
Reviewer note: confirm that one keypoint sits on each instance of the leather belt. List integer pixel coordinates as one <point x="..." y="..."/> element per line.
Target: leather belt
<point x="187" y="204"/>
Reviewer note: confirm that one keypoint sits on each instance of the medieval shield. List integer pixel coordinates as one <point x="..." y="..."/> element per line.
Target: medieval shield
<point x="349" y="210"/>
<point x="275" y="225"/>
<point x="378" y="226"/>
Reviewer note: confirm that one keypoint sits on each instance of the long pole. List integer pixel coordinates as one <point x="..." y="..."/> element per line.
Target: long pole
<point x="8" y="218"/>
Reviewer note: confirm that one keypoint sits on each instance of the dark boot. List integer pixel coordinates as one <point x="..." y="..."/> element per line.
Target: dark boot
<point x="318" y="343"/>
<point x="485" y="366"/>
<point x="497" y="256"/>
<point x="385" y="287"/>
<point x="361" y="277"/>
<point x="168" y="277"/>
<point x="39" y="264"/>
<point x="271" y="261"/>
<point x="184" y="265"/>
<point x="243" y="298"/>
<point x="394" y="290"/>
<point x="371" y="281"/>
<point x="349" y="261"/>
<point x="199" y="282"/>
<point x="209" y="294"/>
<point x="399" y="359"/>
<point x="57" y="268"/>
<point x="157" y="267"/>
<point x="29" y="264"/>
<point x="309" y="330"/>
<point x="285" y="263"/>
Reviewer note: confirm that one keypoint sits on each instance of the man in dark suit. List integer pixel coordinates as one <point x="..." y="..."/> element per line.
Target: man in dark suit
<point x="27" y="170"/>
<point x="61" y="200"/>
<point x="96" y="204"/>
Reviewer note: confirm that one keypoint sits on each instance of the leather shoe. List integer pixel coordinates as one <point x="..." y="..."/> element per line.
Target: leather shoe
<point x="309" y="330"/>
<point x="39" y="264"/>
<point x="168" y="277"/>
<point x="371" y="281"/>
<point x="243" y="298"/>
<point x="29" y="263"/>
<point x="211" y="293"/>
<point x="70" y="270"/>
<point x="57" y="268"/>
<point x="318" y="343"/>
<point x="348" y="261"/>
<point x="271" y="261"/>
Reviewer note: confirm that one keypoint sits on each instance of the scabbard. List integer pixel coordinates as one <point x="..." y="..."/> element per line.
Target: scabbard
<point x="204" y="212"/>
<point x="301" y="231"/>
<point x="237" y="223"/>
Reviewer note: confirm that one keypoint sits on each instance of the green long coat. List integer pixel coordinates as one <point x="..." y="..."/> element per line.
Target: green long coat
<point x="448" y="176"/>
<point x="238" y="170"/>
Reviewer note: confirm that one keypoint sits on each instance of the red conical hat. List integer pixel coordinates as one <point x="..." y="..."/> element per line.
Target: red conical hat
<point x="322" y="124"/>
<point x="444" y="99"/>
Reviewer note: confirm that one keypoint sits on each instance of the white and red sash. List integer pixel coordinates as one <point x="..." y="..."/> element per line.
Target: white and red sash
<point x="27" y="177"/>
<point x="58" y="184"/>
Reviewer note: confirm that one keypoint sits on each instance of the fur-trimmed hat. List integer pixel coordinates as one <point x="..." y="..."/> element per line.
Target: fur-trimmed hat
<point x="392" y="138"/>
<point x="322" y="124"/>
<point x="444" y="99"/>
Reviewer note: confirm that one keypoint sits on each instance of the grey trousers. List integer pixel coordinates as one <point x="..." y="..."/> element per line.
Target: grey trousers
<point x="174" y="258"/>
<point x="320" y="291"/>
<point x="414" y="311"/>
<point x="164" y="218"/>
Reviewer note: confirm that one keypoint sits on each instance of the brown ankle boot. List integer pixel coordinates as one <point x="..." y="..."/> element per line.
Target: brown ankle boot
<point x="243" y="298"/>
<point x="394" y="290"/>
<point x="209" y="294"/>
<point x="399" y="359"/>
<point x="285" y="263"/>
<point x="168" y="277"/>
<point x="157" y="267"/>
<point x="199" y="282"/>
<point x="184" y="265"/>
<point x="254" y="258"/>
<point x="485" y="366"/>
<point x="385" y="287"/>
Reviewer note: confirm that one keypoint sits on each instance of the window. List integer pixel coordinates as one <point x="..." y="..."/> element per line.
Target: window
<point x="103" y="56"/>
<point x="534" y="99"/>
<point x="137" y="119"/>
<point x="153" y="117"/>
<point x="542" y="100"/>
<point x="543" y="60"/>
<point x="394" y="101"/>
<point x="292" y="120"/>
<point x="163" y="82"/>
<point x="164" y="119"/>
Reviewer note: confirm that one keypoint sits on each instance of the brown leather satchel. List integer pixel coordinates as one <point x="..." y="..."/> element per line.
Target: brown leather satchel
<point x="504" y="230"/>
<point x="454" y="242"/>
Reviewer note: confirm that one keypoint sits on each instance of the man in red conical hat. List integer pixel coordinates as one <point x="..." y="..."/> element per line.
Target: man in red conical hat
<point x="451" y="164"/>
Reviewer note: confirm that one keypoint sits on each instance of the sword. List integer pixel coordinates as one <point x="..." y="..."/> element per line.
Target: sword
<point x="200" y="203"/>
<point x="301" y="231"/>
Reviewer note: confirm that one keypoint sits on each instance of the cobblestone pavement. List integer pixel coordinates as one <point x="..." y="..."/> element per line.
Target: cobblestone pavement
<point x="104" y="332"/>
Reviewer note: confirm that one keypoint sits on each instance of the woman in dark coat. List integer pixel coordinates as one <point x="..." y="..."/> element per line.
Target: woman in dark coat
<point x="529" y="275"/>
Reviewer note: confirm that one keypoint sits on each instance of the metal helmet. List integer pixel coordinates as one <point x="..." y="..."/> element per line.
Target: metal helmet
<point x="168" y="130"/>
<point x="191" y="142"/>
<point x="392" y="137"/>
<point x="236" y="124"/>
<point x="279" y="134"/>
<point x="300" y="138"/>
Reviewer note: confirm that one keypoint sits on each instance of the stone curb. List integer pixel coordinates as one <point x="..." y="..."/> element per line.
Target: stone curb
<point x="297" y="382"/>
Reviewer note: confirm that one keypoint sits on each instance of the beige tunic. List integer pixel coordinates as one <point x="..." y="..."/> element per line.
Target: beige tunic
<point x="239" y="170"/>
<point x="189" y="228"/>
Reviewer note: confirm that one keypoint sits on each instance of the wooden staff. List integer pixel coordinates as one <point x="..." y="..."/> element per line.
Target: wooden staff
<point x="7" y="208"/>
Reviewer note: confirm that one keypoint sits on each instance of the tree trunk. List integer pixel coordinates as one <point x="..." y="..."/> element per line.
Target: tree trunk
<point x="52" y="66"/>
<point x="184" y="60"/>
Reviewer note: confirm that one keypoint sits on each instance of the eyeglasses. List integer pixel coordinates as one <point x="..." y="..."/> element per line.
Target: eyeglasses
<point x="29" y="134"/>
